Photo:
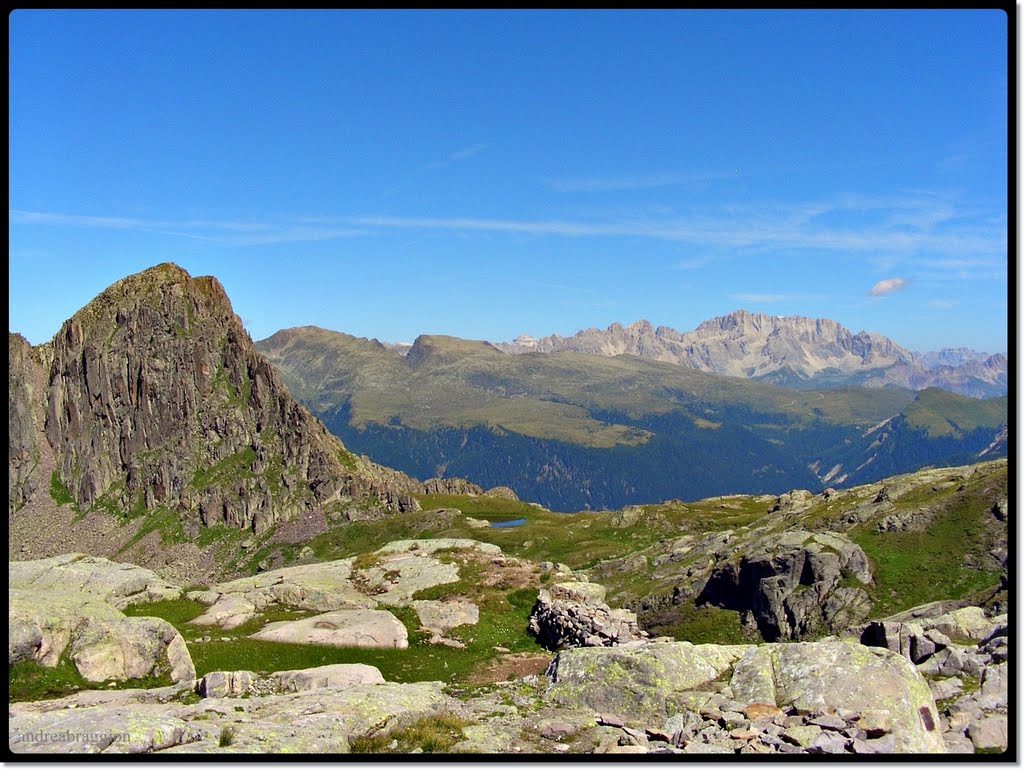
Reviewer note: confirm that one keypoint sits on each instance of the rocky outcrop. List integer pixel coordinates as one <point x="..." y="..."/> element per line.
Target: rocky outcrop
<point x="506" y="493"/>
<point x="115" y="583"/>
<point x="793" y="584"/>
<point x="639" y="678"/>
<point x="954" y="647"/>
<point x="453" y="486"/>
<point x="47" y="626"/>
<point x="156" y="397"/>
<point x="574" y="614"/>
<point x="320" y="720"/>
<point x="26" y="441"/>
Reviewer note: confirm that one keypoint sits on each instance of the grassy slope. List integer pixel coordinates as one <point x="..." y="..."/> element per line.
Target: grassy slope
<point x="453" y="382"/>
<point x="940" y="413"/>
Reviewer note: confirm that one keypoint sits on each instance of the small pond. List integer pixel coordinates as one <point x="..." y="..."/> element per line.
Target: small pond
<point x="510" y="523"/>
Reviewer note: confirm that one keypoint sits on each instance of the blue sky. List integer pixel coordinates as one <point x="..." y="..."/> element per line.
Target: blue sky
<point x="486" y="174"/>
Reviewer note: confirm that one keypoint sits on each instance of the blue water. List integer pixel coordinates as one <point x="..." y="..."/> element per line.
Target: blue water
<point x="512" y="523"/>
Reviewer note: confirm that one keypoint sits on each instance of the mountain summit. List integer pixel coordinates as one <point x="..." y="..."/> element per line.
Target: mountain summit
<point x="793" y="351"/>
<point x="153" y="397"/>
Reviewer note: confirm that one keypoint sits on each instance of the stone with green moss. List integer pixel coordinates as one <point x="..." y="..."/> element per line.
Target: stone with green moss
<point x="816" y="676"/>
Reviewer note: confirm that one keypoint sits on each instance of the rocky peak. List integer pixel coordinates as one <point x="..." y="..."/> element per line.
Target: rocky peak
<point x="156" y="398"/>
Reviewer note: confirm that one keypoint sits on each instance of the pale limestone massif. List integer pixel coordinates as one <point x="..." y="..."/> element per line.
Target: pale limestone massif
<point x="785" y="349"/>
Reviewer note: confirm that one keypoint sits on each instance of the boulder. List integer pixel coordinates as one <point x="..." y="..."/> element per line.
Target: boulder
<point x="100" y="640"/>
<point x="335" y="675"/>
<point x="789" y="584"/>
<point x="908" y="639"/>
<point x="990" y="733"/>
<point x="438" y="617"/>
<point x="223" y="684"/>
<point x="344" y="628"/>
<point x="820" y="675"/>
<point x="636" y="678"/>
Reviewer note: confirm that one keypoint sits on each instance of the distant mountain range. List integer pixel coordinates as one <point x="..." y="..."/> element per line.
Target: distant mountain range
<point x="792" y="351"/>
<point x="573" y="430"/>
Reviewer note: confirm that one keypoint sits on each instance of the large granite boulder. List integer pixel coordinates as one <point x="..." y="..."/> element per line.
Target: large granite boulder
<point x="101" y="641"/>
<point x="639" y="677"/>
<point x="794" y="584"/>
<point x="838" y="675"/>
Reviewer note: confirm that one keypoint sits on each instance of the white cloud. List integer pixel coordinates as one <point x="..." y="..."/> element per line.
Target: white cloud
<point x="888" y="286"/>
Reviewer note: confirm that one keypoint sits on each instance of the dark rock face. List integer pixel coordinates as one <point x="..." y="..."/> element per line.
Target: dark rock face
<point x="791" y="588"/>
<point x="157" y="398"/>
<point x="26" y="381"/>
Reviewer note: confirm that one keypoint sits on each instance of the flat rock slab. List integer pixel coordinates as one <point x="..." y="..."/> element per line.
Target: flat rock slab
<point x="336" y="675"/>
<point x="637" y="678"/>
<point x="344" y="628"/>
<point x="440" y="544"/>
<point x="113" y="582"/>
<point x="323" y="587"/>
<point x="400" y="575"/>
<point x="100" y="729"/>
<point x="440" y="616"/>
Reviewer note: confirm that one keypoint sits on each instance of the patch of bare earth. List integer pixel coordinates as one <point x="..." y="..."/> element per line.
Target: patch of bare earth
<point x="515" y="665"/>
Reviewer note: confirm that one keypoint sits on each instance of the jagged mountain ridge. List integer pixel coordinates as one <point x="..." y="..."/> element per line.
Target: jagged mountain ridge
<point x="152" y="396"/>
<point x="794" y="351"/>
<point x="571" y="430"/>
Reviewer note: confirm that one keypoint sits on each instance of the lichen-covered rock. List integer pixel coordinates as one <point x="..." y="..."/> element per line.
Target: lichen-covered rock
<point x="100" y="729"/>
<point x="818" y="675"/>
<point x="118" y="584"/>
<point x="344" y="628"/>
<point x="223" y="684"/>
<point x="101" y="642"/>
<point x="636" y="678"/>
<point x="438" y="617"/>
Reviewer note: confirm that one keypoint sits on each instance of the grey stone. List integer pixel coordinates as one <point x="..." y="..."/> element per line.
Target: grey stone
<point x="344" y="628"/>
<point x="989" y="733"/>
<point x="223" y="684"/>
<point x="816" y="676"/>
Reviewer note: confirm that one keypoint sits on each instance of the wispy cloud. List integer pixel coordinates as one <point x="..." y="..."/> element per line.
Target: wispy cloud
<point x="464" y="154"/>
<point x="227" y="232"/>
<point x="888" y="286"/>
<point x="922" y="233"/>
<point x="637" y="182"/>
<point x="943" y="304"/>
<point x="767" y="228"/>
